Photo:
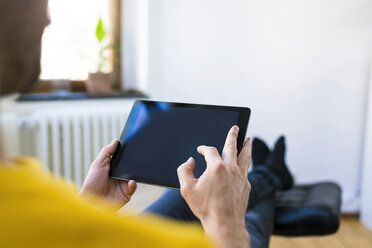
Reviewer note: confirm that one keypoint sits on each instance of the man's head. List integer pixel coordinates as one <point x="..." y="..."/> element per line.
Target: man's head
<point x="22" y="23"/>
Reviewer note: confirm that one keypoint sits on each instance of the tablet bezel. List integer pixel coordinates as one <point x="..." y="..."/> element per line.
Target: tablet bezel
<point x="243" y="119"/>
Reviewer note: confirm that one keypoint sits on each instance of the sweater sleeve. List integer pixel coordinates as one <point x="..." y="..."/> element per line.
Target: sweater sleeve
<point x="42" y="211"/>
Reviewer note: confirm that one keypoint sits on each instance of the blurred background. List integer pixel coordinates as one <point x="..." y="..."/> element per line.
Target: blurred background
<point x="303" y="67"/>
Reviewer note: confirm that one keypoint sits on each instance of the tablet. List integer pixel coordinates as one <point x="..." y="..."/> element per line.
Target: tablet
<point x="159" y="136"/>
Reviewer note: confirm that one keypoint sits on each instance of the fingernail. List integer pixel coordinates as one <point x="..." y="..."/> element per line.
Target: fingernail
<point x="236" y="128"/>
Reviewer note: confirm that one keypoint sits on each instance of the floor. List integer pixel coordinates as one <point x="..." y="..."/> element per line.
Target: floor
<point x="144" y="196"/>
<point x="351" y="234"/>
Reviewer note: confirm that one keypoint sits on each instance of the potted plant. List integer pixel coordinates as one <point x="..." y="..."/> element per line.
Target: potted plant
<point x="100" y="82"/>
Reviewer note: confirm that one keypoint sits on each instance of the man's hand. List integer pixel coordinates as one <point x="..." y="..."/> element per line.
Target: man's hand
<point x="98" y="182"/>
<point x="219" y="197"/>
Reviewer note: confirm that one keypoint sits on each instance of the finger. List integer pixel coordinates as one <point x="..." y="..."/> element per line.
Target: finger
<point x="130" y="188"/>
<point x="106" y="153"/>
<point x="244" y="158"/>
<point x="185" y="173"/>
<point x="210" y="154"/>
<point x="230" y="150"/>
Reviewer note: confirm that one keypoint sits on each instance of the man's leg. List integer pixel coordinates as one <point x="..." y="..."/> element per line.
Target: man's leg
<point x="260" y="222"/>
<point x="172" y="205"/>
<point x="260" y="217"/>
<point x="264" y="183"/>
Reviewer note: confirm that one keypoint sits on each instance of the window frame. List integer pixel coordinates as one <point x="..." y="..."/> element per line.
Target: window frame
<point x="115" y="17"/>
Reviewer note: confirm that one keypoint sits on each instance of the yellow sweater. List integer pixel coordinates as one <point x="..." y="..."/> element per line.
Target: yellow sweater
<point x="38" y="210"/>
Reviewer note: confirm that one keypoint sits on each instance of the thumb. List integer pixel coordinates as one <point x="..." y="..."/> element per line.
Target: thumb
<point x="131" y="187"/>
<point x="186" y="173"/>
<point x="128" y="188"/>
<point x="105" y="154"/>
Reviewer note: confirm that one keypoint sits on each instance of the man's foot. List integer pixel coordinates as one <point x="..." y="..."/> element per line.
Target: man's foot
<point x="275" y="162"/>
<point x="260" y="152"/>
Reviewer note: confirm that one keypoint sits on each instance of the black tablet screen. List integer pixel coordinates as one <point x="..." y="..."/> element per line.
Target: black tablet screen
<point x="159" y="137"/>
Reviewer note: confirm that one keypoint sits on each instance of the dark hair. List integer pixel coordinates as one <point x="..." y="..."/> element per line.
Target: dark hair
<point x="22" y="23"/>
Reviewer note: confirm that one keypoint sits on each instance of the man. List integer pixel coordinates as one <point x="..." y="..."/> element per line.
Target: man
<point x="38" y="210"/>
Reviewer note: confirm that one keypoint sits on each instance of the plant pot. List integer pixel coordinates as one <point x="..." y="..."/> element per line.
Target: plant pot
<point x="99" y="83"/>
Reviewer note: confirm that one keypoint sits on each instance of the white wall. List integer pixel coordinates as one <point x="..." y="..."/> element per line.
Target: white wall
<point x="135" y="33"/>
<point x="302" y="66"/>
<point x="366" y="199"/>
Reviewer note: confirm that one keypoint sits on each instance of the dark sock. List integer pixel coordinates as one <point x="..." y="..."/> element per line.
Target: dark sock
<point x="275" y="162"/>
<point x="260" y="152"/>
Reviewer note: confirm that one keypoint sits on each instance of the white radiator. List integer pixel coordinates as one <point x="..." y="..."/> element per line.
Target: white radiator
<point x="66" y="140"/>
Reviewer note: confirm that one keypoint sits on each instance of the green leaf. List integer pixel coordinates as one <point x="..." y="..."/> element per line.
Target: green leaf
<point x="100" y="30"/>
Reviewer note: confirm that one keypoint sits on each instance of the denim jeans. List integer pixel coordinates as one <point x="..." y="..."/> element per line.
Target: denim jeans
<point x="259" y="218"/>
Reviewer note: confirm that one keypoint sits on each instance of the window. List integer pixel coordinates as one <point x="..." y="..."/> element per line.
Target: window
<point x="70" y="49"/>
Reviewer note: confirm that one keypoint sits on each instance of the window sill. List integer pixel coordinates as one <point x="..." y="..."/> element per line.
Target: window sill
<point x="77" y="96"/>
